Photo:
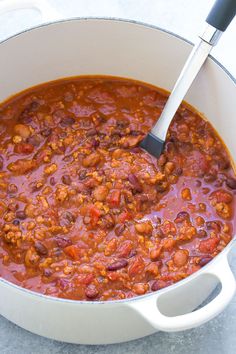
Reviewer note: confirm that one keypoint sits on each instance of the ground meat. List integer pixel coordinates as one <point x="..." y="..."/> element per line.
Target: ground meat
<point x="88" y="213"/>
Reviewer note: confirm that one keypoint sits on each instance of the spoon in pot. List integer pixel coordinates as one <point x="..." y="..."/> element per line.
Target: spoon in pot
<point x="218" y="20"/>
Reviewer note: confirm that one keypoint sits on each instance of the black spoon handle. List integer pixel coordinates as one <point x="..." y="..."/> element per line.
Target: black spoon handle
<point x="221" y="14"/>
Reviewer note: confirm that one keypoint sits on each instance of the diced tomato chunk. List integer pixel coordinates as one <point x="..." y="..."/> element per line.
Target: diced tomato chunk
<point x="24" y="148"/>
<point x="84" y="279"/>
<point x="124" y="216"/>
<point x="125" y="249"/>
<point x="137" y="266"/>
<point x="73" y="252"/>
<point x="209" y="245"/>
<point x="114" y="198"/>
<point x="95" y="213"/>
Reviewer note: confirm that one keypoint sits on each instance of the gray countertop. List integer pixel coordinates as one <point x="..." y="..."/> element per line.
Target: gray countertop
<point x="184" y="17"/>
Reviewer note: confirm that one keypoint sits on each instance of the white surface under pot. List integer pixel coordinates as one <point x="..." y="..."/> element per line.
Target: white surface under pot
<point x="132" y="50"/>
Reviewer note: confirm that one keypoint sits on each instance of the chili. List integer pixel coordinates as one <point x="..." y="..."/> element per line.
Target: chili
<point x="85" y="213"/>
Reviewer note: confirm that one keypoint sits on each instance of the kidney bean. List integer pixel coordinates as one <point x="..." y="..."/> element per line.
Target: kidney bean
<point x="119" y="229"/>
<point x="67" y="121"/>
<point x="91" y="132"/>
<point x="47" y="273"/>
<point x="68" y="96"/>
<point x="37" y="186"/>
<point x="122" y="263"/>
<point x="181" y="216"/>
<point x="158" y="284"/>
<point x="34" y="140"/>
<point x="66" y="179"/>
<point x="209" y="178"/>
<point x="95" y="143"/>
<point x="68" y="158"/>
<point x="52" y="181"/>
<point x="136" y="149"/>
<point x="63" y="241"/>
<point x="33" y="106"/>
<point x="69" y="216"/>
<point x="231" y="182"/>
<point x="122" y="122"/>
<point x="1" y="162"/>
<point x="205" y="260"/>
<point x="82" y="174"/>
<point x="223" y="164"/>
<point x="108" y="221"/>
<point x="135" y="133"/>
<point x="179" y="171"/>
<point x="12" y="188"/>
<point x="116" y="133"/>
<point x="205" y="190"/>
<point x="218" y="183"/>
<point x="198" y="183"/>
<point x="213" y="225"/>
<point x="46" y="132"/>
<point x="132" y="253"/>
<point x="41" y="249"/>
<point x="136" y="185"/>
<point x="56" y="252"/>
<point x="91" y="292"/>
<point x="25" y="117"/>
<point x="202" y="233"/>
<point x="63" y="283"/>
<point x="20" y="214"/>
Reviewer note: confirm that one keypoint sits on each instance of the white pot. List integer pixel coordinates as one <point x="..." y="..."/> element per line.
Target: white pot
<point x="133" y="50"/>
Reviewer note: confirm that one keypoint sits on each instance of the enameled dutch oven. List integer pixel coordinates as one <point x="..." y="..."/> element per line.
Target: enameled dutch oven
<point x="133" y="50"/>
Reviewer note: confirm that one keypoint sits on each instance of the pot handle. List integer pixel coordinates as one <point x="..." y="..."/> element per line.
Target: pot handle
<point x="47" y="12"/>
<point x="150" y="311"/>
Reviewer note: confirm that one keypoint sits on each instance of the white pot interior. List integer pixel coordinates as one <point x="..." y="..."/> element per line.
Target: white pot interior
<point x="118" y="48"/>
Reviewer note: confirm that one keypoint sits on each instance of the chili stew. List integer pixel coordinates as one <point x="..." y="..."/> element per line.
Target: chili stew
<point x="85" y="213"/>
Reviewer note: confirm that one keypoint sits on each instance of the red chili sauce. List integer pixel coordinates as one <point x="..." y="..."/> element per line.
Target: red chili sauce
<point x="85" y="213"/>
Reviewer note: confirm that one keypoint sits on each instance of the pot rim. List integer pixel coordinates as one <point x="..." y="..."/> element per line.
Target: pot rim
<point x="118" y="19"/>
<point x="223" y="253"/>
